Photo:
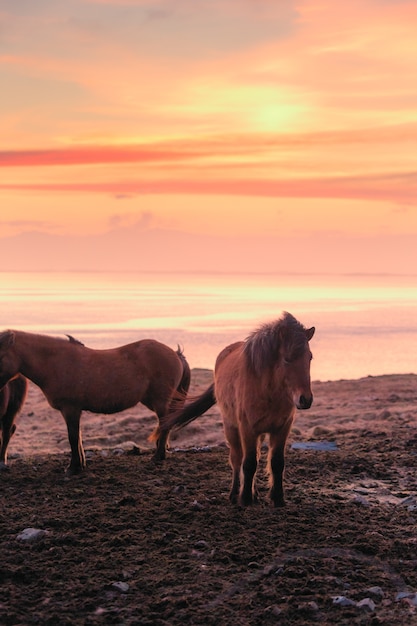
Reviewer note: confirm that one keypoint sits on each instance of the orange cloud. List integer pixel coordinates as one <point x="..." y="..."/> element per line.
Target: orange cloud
<point x="252" y="145"/>
<point x="400" y="188"/>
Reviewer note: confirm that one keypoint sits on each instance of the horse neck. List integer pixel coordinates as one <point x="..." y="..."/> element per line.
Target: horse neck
<point x="277" y="382"/>
<point x="30" y="354"/>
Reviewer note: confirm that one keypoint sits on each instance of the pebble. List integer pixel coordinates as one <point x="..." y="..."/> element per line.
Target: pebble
<point x="321" y="446"/>
<point x="367" y="604"/>
<point x="121" y="586"/>
<point x="31" y="535"/>
<point x="343" y="601"/>
<point x="410" y="596"/>
<point x="410" y="502"/>
<point x="376" y="591"/>
<point x="393" y="397"/>
<point x="319" y="431"/>
<point x="361" y="501"/>
<point x="118" y="451"/>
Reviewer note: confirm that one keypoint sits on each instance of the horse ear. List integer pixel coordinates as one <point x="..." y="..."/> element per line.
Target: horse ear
<point x="7" y="339"/>
<point x="310" y="332"/>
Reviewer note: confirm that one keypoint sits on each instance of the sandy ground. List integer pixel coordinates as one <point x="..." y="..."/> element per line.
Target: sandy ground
<point x="130" y="543"/>
<point x="370" y="403"/>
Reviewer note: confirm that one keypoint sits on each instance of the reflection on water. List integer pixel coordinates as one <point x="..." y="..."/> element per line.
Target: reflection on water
<point x="365" y="325"/>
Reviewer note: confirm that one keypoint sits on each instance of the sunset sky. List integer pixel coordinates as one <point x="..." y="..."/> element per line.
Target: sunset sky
<point x="272" y="135"/>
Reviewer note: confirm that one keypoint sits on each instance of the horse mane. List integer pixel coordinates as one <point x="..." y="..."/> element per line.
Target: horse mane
<point x="265" y="348"/>
<point x="73" y="340"/>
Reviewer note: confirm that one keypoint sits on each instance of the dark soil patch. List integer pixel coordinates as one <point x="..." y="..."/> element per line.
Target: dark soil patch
<point x="128" y="542"/>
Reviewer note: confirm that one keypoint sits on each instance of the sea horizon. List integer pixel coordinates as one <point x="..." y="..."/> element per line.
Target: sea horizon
<point x="366" y="324"/>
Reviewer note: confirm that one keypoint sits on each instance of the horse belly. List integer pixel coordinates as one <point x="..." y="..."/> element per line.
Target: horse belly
<point x="114" y="400"/>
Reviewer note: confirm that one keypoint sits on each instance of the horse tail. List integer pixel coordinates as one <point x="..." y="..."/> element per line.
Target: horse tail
<point x="184" y="384"/>
<point x="190" y="412"/>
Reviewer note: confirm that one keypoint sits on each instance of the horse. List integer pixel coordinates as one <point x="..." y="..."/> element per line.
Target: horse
<point x="12" y="397"/>
<point x="75" y="378"/>
<point x="258" y="384"/>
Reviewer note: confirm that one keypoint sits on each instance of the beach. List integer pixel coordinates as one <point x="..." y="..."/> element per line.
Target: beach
<point x="370" y="403"/>
<point x="130" y="542"/>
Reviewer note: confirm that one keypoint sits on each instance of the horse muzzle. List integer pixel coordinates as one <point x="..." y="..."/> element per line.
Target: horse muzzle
<point x="304" y="402"/>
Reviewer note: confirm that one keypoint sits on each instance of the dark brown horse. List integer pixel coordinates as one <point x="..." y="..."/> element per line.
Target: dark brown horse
<point x="75" y="378"/>
<point x="258" y="384"/>
<point x="12" y="397"/>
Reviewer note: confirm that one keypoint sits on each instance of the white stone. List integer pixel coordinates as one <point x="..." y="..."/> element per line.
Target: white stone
<point x="31" y="534"/>
<point x="343" y="601"/>
<point x="121" y="586"/>
<point x="366" y="604"/>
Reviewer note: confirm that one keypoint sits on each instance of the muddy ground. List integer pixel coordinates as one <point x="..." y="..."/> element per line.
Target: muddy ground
<point x="129" y="542"/>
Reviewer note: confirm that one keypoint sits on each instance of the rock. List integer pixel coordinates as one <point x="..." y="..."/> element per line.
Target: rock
<point x="410" y="502"/>
<point x="322" y="446"/>
<point x="343" y="601"/>
<point x="118" y="451"/>
<point x="275" y="610"/>
<point x="31" y="535"/>
<point x="367" y="604"/>
<point x="121" y="586"/>
<point x="319" y="431"/>
<point x="410" y="596"/>
<point x="179" y="489"/>
<point x="376" y="591"/>
<point x="359" y="500"/>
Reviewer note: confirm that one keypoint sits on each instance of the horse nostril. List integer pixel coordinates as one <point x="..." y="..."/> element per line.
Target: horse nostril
<point x="305" y="403"/>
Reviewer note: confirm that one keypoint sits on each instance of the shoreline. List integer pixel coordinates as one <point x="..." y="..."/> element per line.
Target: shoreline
<point x="377" y="403"/>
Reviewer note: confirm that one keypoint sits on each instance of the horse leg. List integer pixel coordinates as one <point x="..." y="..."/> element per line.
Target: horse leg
<point x="161" y="446"/>
<point x="161" y="410"/>
<point x="277" y="443"/>
<point x="72" y="419"/>
<point x="8" y="427"/>
<point x="235" y="459"/>
<point x="249" y="466"/>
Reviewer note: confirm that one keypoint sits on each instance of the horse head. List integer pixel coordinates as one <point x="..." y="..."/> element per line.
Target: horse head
<point x="296" y="362"/>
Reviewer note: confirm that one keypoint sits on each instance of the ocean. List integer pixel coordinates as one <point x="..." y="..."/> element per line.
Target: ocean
<point x="365" y="325"/>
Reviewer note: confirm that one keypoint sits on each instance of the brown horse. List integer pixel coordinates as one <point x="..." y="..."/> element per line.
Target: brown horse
<point x="12" y="397"/>
<point x="258" y="384"/>
<point x="75" y="378"/>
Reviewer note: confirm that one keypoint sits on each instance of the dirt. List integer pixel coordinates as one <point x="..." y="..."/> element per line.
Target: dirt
<point x="130" y="542"/>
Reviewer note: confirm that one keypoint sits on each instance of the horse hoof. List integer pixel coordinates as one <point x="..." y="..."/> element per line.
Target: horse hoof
<point x="73" y="471"/>
<point x="244" y="502"/>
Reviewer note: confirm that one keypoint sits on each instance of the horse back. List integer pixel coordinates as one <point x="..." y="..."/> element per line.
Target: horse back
<point x="158" y="359"/>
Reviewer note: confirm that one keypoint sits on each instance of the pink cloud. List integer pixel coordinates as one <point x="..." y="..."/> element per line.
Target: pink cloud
<point x="217" y="146"/>
<point x="399" y="187"/>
